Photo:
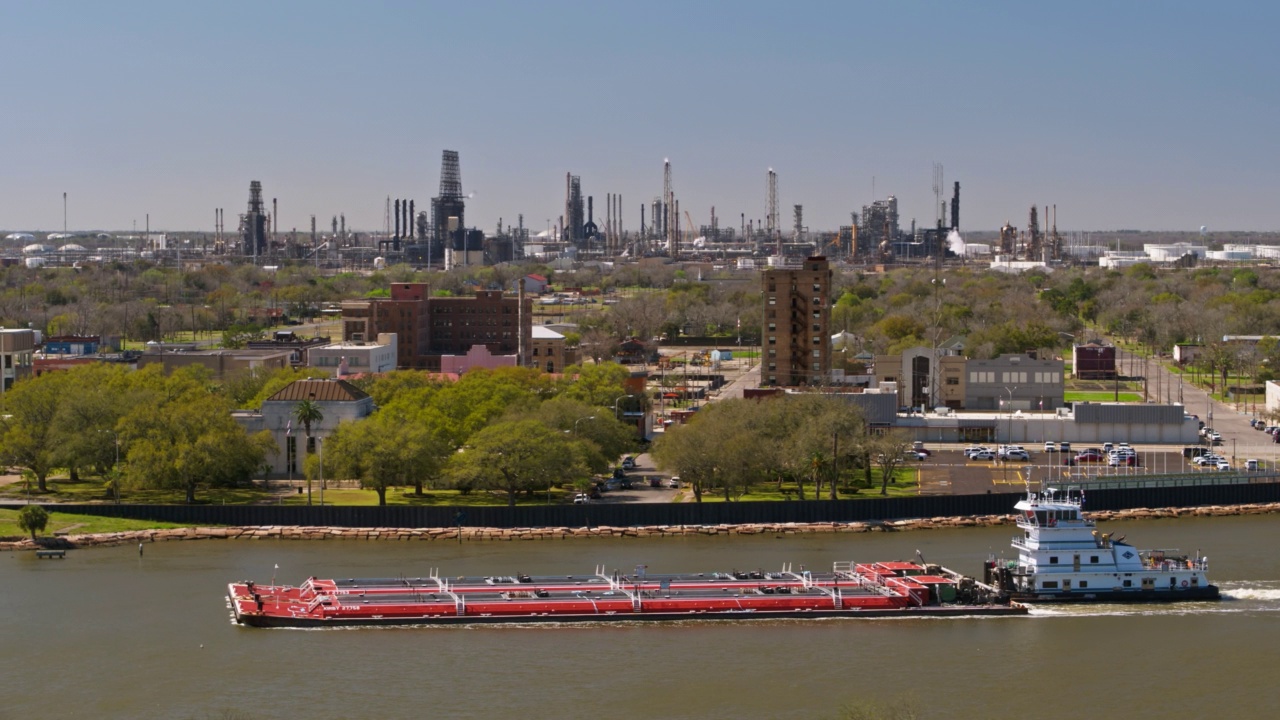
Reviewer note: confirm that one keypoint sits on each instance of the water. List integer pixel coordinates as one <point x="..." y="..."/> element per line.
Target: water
<point x="107" y="634"/>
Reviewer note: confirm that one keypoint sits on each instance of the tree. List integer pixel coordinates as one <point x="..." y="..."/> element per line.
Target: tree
<point x="27" y="428"/>
<point x="386" y="449"/>
<point x="515" y="456"/>
<point x="888" y="452"/>
<point x="307" y="413"/>
<point x="189" y="440"/>
<point x="33" y="519"/>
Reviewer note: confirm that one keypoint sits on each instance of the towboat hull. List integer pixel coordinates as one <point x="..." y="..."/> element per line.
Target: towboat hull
<point x="1209" y="592"/>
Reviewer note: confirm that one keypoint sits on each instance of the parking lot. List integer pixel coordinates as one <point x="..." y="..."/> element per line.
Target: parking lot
<point x="947" y="471"/>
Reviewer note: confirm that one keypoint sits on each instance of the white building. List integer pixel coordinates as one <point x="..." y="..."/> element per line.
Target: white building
<point x="347" y="358"/>
<point x="338" y="401"/>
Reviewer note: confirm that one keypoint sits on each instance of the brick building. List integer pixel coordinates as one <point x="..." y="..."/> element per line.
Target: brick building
<point x="797" y="313"/>
<point x="428" y="328"/>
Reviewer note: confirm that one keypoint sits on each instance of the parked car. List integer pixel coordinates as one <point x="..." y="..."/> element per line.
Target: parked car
<point x="1209" y="459"/>
<point x="581" y="498"/>
<point x="1107" y="447"/>
<point x="674" y="482"/>
<point x="983" y="455"/>
<point x="628" y="463"/>
<point x="1123" y="460"/>
<point x="1224" y="465"/>
<point x="1017" y="456"/>
<point x="1090" y="456"/>
<point x="970" y="450"/>
<point x="1064" y="447"/>
<point x="1050" y="446"/>
<point x="915" y="455"/>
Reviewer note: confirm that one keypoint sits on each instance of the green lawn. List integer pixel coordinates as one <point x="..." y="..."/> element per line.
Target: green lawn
<point x="405" y="496"/>
<point x="1081" y="396"/>
<point x="90" y="490"/>
<point x="77" y="524"/>
<point x="905" y="486"/>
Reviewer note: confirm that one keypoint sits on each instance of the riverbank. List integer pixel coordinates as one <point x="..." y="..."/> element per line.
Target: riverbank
<point x="291" y="532"/>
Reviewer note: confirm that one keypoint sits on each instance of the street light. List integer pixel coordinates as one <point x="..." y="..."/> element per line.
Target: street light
<point x="615" y="404"/>
<point x="575" y="422"/>
<point x="1009" y="440"/>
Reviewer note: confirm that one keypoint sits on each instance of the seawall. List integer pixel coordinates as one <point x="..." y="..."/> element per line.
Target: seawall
<point x="479" y="534"/>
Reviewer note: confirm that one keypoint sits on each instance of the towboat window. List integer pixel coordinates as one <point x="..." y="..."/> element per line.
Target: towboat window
<point x="1128" y="583"/>
<point x="1053" y="559"/>
<point x="1194" y="581"/>
<point x="1050" y="585"/>
<point x="1084" y="583"/>
<point x="1093" y="558"/>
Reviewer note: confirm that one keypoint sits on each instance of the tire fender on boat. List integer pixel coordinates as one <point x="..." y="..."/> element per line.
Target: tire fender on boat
<point x="1184" y="583"/>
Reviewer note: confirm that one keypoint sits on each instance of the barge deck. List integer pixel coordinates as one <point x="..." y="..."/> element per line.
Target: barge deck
<point x="848" y="590"/>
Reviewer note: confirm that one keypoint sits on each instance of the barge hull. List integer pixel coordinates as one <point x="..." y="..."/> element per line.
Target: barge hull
<point x="936" y="611"/>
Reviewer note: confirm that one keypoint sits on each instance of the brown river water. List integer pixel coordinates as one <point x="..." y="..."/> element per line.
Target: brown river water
<point x="107" y="633"/>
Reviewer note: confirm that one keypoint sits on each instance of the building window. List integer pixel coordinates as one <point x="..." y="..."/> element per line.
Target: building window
<point x="773" y="367"/>
<point x="773" y="340"/>
<point x="817" y="287"/>
<point x="773" y="353"/>
<point x="773" y="300"/>
<point x="817" y="353"/>
<point x="817" y="300"/>
<point x="953" y="381"/>
<point x="772" y="327"/>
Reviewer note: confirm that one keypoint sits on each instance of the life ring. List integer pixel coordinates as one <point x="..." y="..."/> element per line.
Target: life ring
<point x="1184" y="583"/>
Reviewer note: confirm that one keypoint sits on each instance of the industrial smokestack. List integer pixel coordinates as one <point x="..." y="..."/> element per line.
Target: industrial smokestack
<point x="396" y="214"/>
<point x="275" y="215"/>
<point x="955" y="208"/>
<point x="412" y="214"/>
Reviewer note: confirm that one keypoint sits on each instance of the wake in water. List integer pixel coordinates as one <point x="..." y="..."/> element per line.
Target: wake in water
<point x="1237" y="597"/>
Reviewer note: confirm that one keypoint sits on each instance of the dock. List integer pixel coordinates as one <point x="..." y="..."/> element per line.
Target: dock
<point x="51" y="554"/>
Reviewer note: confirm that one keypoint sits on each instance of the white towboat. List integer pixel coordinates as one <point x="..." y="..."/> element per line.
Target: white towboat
<point x="1062" y="557"/>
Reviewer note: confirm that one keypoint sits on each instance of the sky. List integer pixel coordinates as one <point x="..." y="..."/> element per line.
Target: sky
<point x="1125" y="115"/>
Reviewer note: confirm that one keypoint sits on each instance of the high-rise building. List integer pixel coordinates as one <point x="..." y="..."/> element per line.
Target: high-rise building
<point x="796" y="340"/>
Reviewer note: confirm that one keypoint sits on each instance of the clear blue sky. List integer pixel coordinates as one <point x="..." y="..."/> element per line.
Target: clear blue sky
<point x="1126" y="115"/>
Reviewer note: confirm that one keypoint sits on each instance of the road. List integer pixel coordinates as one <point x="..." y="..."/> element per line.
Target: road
<point x="1239" y="439"/>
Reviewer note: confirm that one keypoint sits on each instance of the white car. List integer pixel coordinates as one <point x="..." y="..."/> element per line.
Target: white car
<point x="1224" y="465"/>
<point x="1203" y="460"/>
<point x="983" y="455"/>
<point x="581" y="499"/>
<point x="1020" y="455"/>
<point x="1050" y="446"/>
<point x="674" y="482"/>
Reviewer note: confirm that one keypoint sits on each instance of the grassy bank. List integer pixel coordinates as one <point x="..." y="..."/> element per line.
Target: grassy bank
<point x="77" y="524"/>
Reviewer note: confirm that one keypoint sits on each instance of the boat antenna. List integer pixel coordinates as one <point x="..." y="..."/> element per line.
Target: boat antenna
<point x="921" y="556"/>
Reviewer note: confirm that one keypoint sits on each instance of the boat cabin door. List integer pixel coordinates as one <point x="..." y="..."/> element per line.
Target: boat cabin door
<point x="1075" y="562"/>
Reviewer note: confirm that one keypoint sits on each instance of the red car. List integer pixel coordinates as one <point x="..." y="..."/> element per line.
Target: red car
<point x="1089" y="457"/>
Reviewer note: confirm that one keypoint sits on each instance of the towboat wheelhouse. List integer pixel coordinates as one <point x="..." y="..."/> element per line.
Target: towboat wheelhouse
<point x="1062" y="556"/>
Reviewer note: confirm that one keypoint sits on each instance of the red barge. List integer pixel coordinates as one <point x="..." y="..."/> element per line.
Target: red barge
<point x="888" y="589"/>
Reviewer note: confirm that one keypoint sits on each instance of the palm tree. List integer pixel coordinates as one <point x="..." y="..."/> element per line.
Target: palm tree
<point x="306" y="413"/>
